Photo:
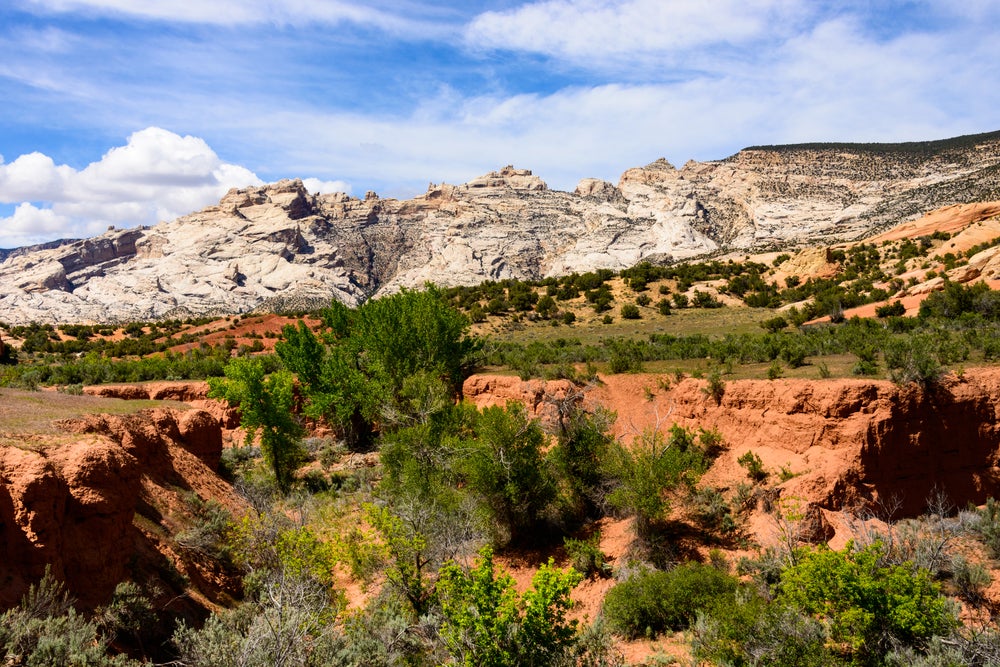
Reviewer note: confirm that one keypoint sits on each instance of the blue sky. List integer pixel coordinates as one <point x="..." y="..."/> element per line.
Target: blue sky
<point x="126" y="112"/>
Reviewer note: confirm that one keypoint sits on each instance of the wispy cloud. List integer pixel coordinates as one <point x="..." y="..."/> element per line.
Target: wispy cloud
<point x="245" y="12"/>
<point x="389" y="95"/>
<point x="592" y="31"/>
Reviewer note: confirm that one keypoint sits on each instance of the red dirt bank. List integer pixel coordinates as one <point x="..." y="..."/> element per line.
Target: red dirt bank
<point x="848" y="442"/>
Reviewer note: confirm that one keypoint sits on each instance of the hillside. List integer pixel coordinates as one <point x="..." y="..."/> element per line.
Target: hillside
<point x="280" y="247"/>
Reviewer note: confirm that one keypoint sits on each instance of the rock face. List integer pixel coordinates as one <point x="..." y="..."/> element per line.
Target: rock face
<point x="278" y="246"/>
<point x="86" y="504"/>
<point x="848" y="443"/>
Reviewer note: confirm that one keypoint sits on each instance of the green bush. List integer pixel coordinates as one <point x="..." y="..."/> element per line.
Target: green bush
<point x="586" y="557"/>
<point x="774" y="324"/>
<point x="652" y="602"/>
<point x="987" y="526"/>
<point x="867" y="604"/>
<point x="630" y="311"/>
<point x="505" y="470"/>
<point x="752" y="630"/>
<point x="753" y="465"/>
<point x="485" y="623"/>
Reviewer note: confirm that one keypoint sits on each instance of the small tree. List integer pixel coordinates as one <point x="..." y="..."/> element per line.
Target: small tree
<point x="486" y="623"/>
<point x="506" y="470"/>
<point x="266" y="407"/>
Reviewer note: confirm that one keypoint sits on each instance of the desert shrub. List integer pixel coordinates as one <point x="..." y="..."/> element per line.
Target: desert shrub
<point x="752" y="630"/>
<point x="585" y="556"/>
<point x="642" y="474"/>
<point x="894" y="309"/>
<point x="987" y="526"/>
<point x="912" y="360"/>
<point x="505" y="470"/>
<point x="626" y="357"/>
<point x="716" y="387"/>
<point x="753" y="465"/>
<point x="971" y="579"/>
<point x="578" y="460"/>
<point x="207" y="534"/>
<point x="868" y="606"/>
<point x="706" y="300"/>
<point x="712" y="510"/>
<point x="46" y="631"/>
<point x="630" y="311"/>
<point x="652" y="602"/>
<point x="774" y="324"/>
<point x="485" y="623"/>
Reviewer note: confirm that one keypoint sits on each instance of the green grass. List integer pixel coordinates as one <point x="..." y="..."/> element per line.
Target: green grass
<point x="681" y="322"/>
<point x="34" y="412"/>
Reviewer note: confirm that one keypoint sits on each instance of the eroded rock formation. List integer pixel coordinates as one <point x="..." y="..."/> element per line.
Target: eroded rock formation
<point x="278" y="246"/>
<point x="94" y="506"/>
<point x="846" y="443"/>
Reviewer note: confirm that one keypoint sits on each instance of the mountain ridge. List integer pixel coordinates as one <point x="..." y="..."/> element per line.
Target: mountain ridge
<point x="279" y="246"/>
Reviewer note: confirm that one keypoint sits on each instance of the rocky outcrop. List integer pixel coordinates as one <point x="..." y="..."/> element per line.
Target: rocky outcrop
<point x="845" y="442"/>
<point x="280" y="247"/>
<point x="93" y="505"/>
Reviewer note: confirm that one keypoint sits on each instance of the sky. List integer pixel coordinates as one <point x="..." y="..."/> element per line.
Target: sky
<point x="129" y="112"/>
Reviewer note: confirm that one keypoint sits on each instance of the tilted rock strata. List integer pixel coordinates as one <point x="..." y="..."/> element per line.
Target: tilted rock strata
<point x="280" y="247"/>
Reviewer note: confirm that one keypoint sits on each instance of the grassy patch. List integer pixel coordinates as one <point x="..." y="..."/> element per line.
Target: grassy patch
<point x="23" y="412"/>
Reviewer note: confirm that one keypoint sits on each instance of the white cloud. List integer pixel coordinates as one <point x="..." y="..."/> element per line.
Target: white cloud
<point x="29" y="225"/>
<point x="237" y="12"/>
<point x="325" y="187"/>
<point x="157" y="175"/>
<point x="592" y="30"/>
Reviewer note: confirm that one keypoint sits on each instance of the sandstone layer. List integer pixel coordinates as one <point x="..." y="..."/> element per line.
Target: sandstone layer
<point x="97" y="504"/>
<point x="280" y="247"/>
<point x="846" y="443"/>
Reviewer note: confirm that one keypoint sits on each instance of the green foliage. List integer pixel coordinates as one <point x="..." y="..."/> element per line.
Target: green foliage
<point x="716" y="387"/>
<point x="753" y="465"/>
<point x="364" y="368"/>
<point x="505" y="469"/>
<point x="751" y="630"/>
<point x="578" y="459"/>
<point x="643" y="473"/>
<point x="269" y="549"/>
<point x="987" y="526"/>
<point x="266" y="408"/>
<point x="774" y="324"/>
<point x="405" y="552"/>
<point x="894" y="309"/>
<point x="46" y="631"/>
<point x="912" y="360"/>
<point x="866" y="603"/>
<point x="630" y="311"/>
<point x="706" y="300"/>
<point x="486" y="624"/>
<point x="652" y="602"/>
<point x="585" y="556"/>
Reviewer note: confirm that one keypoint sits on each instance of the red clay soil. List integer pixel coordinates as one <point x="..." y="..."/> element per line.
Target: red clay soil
<point x="96" y="503"/>
<point x="250" y="329"/>
<point x="847" y="442"/>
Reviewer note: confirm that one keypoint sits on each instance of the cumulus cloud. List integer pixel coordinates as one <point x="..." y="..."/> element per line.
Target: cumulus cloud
<point x="157" y="175"/>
